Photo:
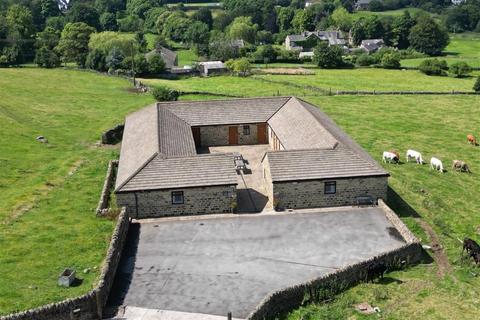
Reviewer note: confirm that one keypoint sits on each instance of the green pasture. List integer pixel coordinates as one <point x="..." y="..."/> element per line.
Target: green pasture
<point x="49" y="191"/>
<point x="463" y="47"/>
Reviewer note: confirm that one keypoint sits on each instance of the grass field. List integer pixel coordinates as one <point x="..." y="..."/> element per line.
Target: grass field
<point x="49" y="191"/>
<point x="47" y="213"/>
<point x="463" y="47"/>
<point x="436" y="126"/>
<point x="392" y="13"/>
<point x="356" y="79"/>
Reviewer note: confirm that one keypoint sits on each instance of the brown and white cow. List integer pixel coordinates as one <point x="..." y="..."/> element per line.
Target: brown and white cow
<point x="461" y="166"/>
<point x="471" y="139"/>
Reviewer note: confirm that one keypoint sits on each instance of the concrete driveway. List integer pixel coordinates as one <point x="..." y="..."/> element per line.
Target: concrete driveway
<point x="215" y="265"/>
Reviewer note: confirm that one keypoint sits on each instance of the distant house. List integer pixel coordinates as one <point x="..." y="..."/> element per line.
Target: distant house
<point x="457" y="2"/>
<point x="211" y="67"/>
<point x="307" y="40"/>
<point x="306" y="55"/>
<point x="238" y="43"/>
<point x="169" y="57"/>
<point x="362" y="4"/>
<point x="372" y="45"/>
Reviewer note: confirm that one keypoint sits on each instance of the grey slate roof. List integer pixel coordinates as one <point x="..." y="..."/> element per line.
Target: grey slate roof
<point x="297" y="129"/>
<point x="333" y="37"/>
<point x="193" y="171"/>
<point x="158" y="150"/>
<point x="168" y="56"/>
<point x="233" y="111"/>
<point x="311" y="164"/>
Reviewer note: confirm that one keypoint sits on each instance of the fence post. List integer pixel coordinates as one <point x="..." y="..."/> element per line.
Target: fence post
<point x="229" y="315"/>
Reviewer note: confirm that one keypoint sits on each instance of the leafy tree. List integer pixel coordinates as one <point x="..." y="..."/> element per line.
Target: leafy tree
<point x="376" y="6"/>
<point x="176" y="26"/>
<point x="197" y="35"/>
<point x="19" y="30"/>
<point x="111" y="6"/>
<point x="139" y="64"/>
<point x="49" y="8"/>
<point x="108" y="40"/>
<point x="239" y="67"/>
<point x="114" y="59"/>
<point x="243" y="28"/>
<point x="108" y="21"/>
<point x="165" y="94"/>
<point x="151" y="17"/>
<point x="265" y="53"/>
<point x="161" y="20"/>
<point x="460" y="69"/>
<point x="155" y="63"/>
<point x="48" y="38"/>
<point x="342" y="19"/>
<point x="401" y="29"/>
<point x="74" y="40"/>
<point x="328" y="57"/>
<point x="428" y="37"/>
<point x="47" y="58"/>
<point x="140" y="7"/>
<point x="84" y="12"/>
<point x="476" y="86"/>
<point x="284" y="18"/>
<point x="433" y="67"/>
<point x="204" y="15"/>
<point x="130" y="23"/>
<point x="222" y="49"/>
<point x="222" y="21"/>
<point x="264" y="37"/>
<point x="57" y="23"/>
<point x="358" y="31"/>
<point x="390" y="61"/>
<point x="365" y="60"/>
<point x="96" y="60"/>
<point x="303" y="20"/>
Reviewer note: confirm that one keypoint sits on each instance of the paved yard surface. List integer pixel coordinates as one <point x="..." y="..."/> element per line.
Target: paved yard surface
<point x="213" y="266"/>
<point x="251" y="194"/>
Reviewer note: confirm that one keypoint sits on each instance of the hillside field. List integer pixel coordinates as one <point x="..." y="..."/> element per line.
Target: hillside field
<point x="49" y="191"/>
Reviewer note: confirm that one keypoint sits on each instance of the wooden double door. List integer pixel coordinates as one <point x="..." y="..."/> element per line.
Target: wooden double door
<point x="233" y="134"/>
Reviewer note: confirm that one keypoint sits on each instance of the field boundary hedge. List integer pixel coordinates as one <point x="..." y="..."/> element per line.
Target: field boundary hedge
<point x="321" y="288"/>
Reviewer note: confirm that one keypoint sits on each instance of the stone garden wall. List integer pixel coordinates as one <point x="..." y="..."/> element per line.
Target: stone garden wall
<point x="324" y="287"/>
<point x="103" y="204"/>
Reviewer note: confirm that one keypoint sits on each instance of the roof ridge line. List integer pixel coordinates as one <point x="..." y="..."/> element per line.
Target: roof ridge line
<point x="137" y="171"/>
<point x="226" y="99"/>
<point x="283" y="105"/>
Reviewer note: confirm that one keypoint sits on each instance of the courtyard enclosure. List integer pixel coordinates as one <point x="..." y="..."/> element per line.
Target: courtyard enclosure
<point x="168" y="167"/>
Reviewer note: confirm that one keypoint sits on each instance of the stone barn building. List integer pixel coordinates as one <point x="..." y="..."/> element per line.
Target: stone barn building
<point x="309" y="162"/>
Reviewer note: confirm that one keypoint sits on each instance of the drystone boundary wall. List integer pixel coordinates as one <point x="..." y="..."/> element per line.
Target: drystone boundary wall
<point x="90" y="305"/>
<point x="103" y="204"/>
<point x="321" y="288"/>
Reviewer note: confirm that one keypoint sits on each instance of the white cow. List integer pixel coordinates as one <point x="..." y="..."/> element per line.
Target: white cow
<point x="436" y="164"/>
<point x="389" y="157"/>
<point x="412" y="154"/>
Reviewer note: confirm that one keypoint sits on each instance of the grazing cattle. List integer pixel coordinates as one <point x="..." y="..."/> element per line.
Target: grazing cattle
<point x="390" y="157"/>
<point x="471" y="139"/>
<point x="476" y="257"/>
<point x="436" y="164"/>
<point x="460" y="166"/>
<point x="375" y="270"/>
<point x="471" y="246"/>
<point x="412" y="154"/>
<point x="395" y="152"/>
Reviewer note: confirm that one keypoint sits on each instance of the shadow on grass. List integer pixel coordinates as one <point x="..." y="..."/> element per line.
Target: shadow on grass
<point x="76" y="282"/>
<point x="400" y="206"/>
<point x="123" y="276"/>
<point x="388" y="280"/>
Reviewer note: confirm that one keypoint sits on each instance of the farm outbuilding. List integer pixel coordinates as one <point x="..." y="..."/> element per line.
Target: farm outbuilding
<point x="306" y="161"/>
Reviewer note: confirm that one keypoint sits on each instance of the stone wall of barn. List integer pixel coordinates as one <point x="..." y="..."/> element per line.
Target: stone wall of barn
<point x="273" y="140"/>
<point x="218" y="135"/>
<point x="311" y="194"/>
<point x="158" y="203"/>
<point x="267" y="180"/>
